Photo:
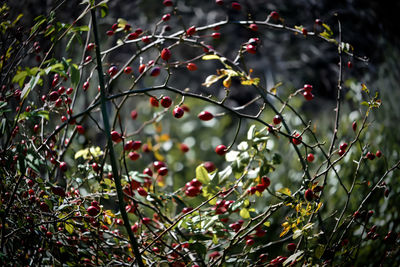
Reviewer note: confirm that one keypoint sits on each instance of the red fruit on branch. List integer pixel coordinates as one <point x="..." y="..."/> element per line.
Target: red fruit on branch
<point x="116" y="136"/>
<point x="166" y="54"/>
<point x="162" y="171"/>
<point x="277" y="119"/>
<point x="178" y="112"/>
<point x="155" y="71"/>
<point x="309" y="195"/>
<point x="128" y="70"/>
<point x="63" y="166"/>
<point x="296" y="139"/>
<point x="112" y="71"/>
<point x="205" y="116"/>
<point x="310" y="157"/>
<point x="134" y="155"/>
<point x="154" y="102"/>
<point x="191" y="66"/>
<point x="308" y="95"/>
<point x="90" y="46"/>
<point x="216" y="35"/>
<point x="166" y="17"/>
<point x="134" y="114"/>
<point x="253" y="27"/>
<point x="167" y="3"/>
<point x="220" y="150"/>
<point x="274" y="15"/>
<point x="251" y="49"/>
<point x="291" y="247"/>
<point x="92" y="211"/>
<point x="236" y="6"/>
<point x="191" y="31"/>
<point x="166" y="101"/>
<point x="80" y="129"/>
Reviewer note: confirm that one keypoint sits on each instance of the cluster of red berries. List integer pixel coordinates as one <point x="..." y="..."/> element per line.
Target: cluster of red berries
<point x="307" y="88"/>
<point x="222" y="206"/>
<point x="94" y="209"/>
<point x="193" y="188"/>
<point x="252" y="44"/>
<point x="342" y="149"/>
<point x="265" y="182"/>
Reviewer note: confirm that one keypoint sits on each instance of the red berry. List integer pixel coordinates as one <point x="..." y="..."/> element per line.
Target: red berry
<point x="310" y="157"/>
<point x="253" y="27"/>
<point x="297" y="139"/>
<point x="146" y="39"/>
<point x="54" y="96"/>
<point x="186" y="210"/>
<point x="61" y="90"/>
<point x="63" y="166"/>
<point x="134" y="155"/>
<point x="134" y="114"/>
<point x="304" y="31"/>
<point x="277" y="119"/>
<point x="148" y="172"/>
<point x="216" y="35"/>
<point x="354" y="126"/>
<point x="166" y="101"/>
<point x="205" y="116"/>
<point x="309" y="195"/>
<point x="116" y="136"/>
<point x="184" y="148"/>
<point x="166" y="17"/>
<point x="142" y="67"/>
<point x="370" y="156"/>
<point x="167" y="3"/>
<point x="178" y="112"/>
<point x="192" y="191"/>
<point x="307" y="87"/>
<point x="70" y="91"/>
<point x="251" y="49"/>
<point x="128" y="70"/>
<point x="219" y="2"/>
<point x="85" y="86"/>
<point x="308" y="95"/>
<point x="191" y="31"/>
<point x="236" y="6"/>
<point x="220" y="150"/>
<point x="112" y="70"/>
<point x="90" y="46"/>
<point x="109" y="33"/>
<point x="142" y="192"/>
<point x="80" y="129"/>
<point x="93" y="211"/>
<point x="166" y="54"/>
<point x="158" y="164"/>
<point x="95" y="166"/>
<point x="265" y="181"/>
<point x="378" y="153"/>
<point x="136" y="145"/>
<point x="155" y="71"/>
<point x="162" y="171"/>
<point x="138" y="31"/>
<point x="349" y="64"/>
<point x="250" y="242"/>
<point x="133" y="36"/>
<point x="341" y="152"/>
<point x="274" y="15"/>
<point x="343" y="146"/>
<point x="114" y="27"/>
<point x="153" y="102"/>
<point x="210" y="167"/>
<point x="318" y="22"/>
<point x="291" y="247"/>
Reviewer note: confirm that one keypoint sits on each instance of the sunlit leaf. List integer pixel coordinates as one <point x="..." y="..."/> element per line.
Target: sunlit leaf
<point x="202" y="175"/>
<point x="244" y="213"/>
<point x="210" y="57"/>
<point x="285" y="191"/>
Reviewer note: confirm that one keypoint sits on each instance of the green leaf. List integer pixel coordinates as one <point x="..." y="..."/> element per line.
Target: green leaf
<point x="103" y="10"/>
<point x="20" y="78"/>
<point x="69" y="227"/>
<point x="28" y="87"/>
<point x="202" y="175"/>
<point x="215" y="239"/>
<point x="75" y="76"/>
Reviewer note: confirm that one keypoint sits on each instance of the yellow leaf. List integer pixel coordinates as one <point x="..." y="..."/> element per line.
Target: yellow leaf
<point x="267" y="223"/>
<point x="364" y="88"/>
<point x="244" y="213"/>
<point x="107" y="219"/>
<point x="284" y="232"/>
<point x="251" y="81"/>
<point x="158" y="156"/>
<point x="285" y="191"/>
<point x="318" y="207"/>
<point x="82" y="153"/>
<point x="109" y="213"/>
<point x="227" y="82"/>
<point x="209" y="57"/>
<point x="164" y="138"/>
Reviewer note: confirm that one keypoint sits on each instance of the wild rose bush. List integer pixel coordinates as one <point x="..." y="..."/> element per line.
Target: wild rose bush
<point x="112" y="160"/>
